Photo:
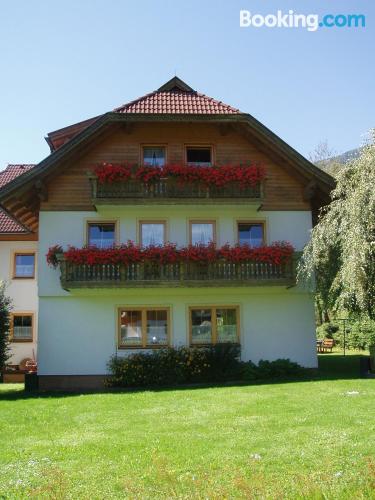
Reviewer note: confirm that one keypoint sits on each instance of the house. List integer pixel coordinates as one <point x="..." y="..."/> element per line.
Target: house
<point x="18" y="255"/>
<point x="107" y="182"/>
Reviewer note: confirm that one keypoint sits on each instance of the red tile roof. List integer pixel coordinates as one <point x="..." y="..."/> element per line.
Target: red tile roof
<point x="177" y="102"/>
<point x="7" y="223"/>
<point x="174" y="97"/>
<point x="12" y="171"/>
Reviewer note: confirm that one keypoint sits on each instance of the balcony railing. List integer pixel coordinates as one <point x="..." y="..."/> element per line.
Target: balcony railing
<point x="181" y="274"/>
<point x="134" y="189"/>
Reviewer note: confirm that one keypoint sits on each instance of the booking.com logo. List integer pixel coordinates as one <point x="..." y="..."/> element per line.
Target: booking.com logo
<point x="310" y="22"/>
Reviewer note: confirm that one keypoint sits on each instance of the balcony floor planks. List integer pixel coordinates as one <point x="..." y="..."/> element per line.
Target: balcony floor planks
<point x="176" y="201"/>
<point x="284" y="282"/>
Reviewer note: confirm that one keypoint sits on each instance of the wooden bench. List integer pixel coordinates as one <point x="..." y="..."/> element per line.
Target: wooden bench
<point x="327" y="345"/>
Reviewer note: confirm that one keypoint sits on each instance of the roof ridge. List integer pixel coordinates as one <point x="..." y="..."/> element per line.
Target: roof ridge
<point x="216" y="101"/>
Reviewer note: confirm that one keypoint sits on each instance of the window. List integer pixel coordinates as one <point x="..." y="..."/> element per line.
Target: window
<point x="152" y="233"/>
<point x="22" y="327"/>
<point x="198" y="156"/>
<point x="251" y="233"/>
<point x="143" y="327"/>
<point x="24" y="265"/>
<point x="154" y="156"/>
<point x="213" y="325"/>
<point x="202" y="232"/>
<point x="101" y="235"/>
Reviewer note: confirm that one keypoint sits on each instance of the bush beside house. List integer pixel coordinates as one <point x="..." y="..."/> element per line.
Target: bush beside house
<point x="219" y="363"/>
<point x="5" y="307"/>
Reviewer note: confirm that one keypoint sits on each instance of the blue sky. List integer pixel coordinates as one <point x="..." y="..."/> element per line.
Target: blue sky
<point x="62" y="62"/>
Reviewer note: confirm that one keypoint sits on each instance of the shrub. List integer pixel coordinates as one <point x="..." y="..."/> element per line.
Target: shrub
<point x="270" y="369"/>
<point x="5" y="307"/>
<point x="176" y="366"/>
<point x="330" y="329"/>
<point x="360" y="334"/>
<point x="184" y="365"/>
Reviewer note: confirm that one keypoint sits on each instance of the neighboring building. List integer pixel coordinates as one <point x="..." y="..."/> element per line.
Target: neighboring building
<point x="18" y="257"/>
<point x="89" y="313"/>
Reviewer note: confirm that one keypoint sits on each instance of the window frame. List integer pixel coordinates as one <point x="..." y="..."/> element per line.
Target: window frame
<point x="11" y="329"/>
<point x="144" y="310"/>
<point x="214" y="324"/>
<point x="104" y="222"/>
<point x="14" y="266"/>
<point x="254" y="222"/>
<point x="150" y="221"/>
<point x="202" y="221"/>
<point x="150" y="145"/>
<point x="199" y="146"/>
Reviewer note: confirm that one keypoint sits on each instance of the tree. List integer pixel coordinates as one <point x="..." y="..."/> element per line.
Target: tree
<point x="341" y="252"/>
<point x="325" y="158"/>
<point x="5" y="307"/>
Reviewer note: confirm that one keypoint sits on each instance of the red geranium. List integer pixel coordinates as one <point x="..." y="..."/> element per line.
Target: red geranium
<point x="219" y="176"/>
<point x="277" y="253"/>
<point x="110" y="173"/>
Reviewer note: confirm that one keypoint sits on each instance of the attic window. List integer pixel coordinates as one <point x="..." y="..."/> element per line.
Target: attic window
<point x="198" y="156"/>
<point x="154" y="156"/>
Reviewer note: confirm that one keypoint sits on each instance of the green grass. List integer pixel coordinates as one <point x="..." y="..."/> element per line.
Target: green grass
<point x="303" y="439"/>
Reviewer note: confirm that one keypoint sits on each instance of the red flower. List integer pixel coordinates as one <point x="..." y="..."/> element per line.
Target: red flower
<point x="243" y="175"/>
<point x="51" y="255"/>
<point x="277" y="253"/>
<point x="110" y="173"/>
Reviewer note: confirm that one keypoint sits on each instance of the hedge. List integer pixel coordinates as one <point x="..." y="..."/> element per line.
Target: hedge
<point x="176" y="366"/>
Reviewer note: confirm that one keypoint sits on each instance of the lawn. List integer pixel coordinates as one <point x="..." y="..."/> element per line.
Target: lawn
<point x="310" y="439"/>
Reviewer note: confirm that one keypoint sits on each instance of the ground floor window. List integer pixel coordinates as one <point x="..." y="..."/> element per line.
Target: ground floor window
<point x="143" y="327"/>
<point x="213" y="325"/>
<point x="24" y="265"/>
<point x="22" y="327"/>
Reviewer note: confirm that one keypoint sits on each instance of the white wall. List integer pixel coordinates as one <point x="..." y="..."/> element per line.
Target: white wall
<point x="78" y="330"/>
<point x="78" y="334"/>
<point x="23" y="292"/>
<point x="69" y="228"/>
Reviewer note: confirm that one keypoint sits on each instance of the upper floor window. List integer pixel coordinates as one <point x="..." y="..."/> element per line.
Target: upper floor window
<point x="22" y="327"/>
<point x="152" y="233"/>
<point x="24" y="265"/>
<point x="101" y="235"/>
<point x="154" y="156"/>
<point x="199" y="156"/>
<point x="202" y="232"/>
<point x="251" y="233"/>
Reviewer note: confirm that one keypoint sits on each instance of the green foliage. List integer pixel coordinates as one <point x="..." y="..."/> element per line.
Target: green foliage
<point x="270" y="369"/>
<point x="340" y="258"/>
<point x="331" y="329"/>
<point x="5" y="307"/>
<point x="176" y="366"/>
<point x="360" y="335"/>
<point x="171" y="366"/>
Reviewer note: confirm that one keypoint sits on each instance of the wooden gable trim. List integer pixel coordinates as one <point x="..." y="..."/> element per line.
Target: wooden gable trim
<point x="30" y="185"/>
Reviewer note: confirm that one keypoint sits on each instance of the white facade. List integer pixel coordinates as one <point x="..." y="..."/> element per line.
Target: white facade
<point x="78" y="329"/>
<point x="23" y="292"/>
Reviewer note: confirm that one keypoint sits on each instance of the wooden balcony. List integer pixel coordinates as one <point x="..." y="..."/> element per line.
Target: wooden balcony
<point x="168" y="190"/>
<point x="182" y="274"/>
